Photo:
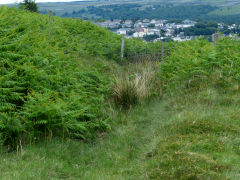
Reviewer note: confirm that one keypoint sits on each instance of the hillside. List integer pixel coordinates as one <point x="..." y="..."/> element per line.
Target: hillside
<point x="206" y="10"/>
<point x="53" y="80"/>
<point x="55" y="75"/>
<point x="71" y="109"/>
<point x="224" y="7"/>
<point x="191" y="133"/>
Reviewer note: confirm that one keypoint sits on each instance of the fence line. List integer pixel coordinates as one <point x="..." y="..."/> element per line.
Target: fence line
<point x="143" y="52"/>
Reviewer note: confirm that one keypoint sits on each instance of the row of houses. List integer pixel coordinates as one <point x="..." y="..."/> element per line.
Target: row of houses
<point x="146" y="27"/>
<point x="130" y="24"/>
<point x="160" y="28"/>
<point x="153" y="26"/>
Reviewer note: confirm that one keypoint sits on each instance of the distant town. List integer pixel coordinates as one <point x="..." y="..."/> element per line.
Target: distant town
<point x="157" y="30"/>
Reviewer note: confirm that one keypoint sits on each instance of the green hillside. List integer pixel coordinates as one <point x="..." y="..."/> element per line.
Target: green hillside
<point x="48" y="86"/>
<point x="69" y="108"/>
<point x="54" y="75"/>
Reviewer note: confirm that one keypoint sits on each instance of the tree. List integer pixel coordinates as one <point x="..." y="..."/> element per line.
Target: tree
<point x="29" y="5"/>
<point x="150" y="37"/>
<point x="151" y="25"/>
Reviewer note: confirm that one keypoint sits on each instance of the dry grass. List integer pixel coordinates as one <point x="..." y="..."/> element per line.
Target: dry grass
<point x="137" y="82"/>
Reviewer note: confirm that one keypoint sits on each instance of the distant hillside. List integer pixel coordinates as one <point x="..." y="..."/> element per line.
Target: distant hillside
<point x="224" y="10"/>
<point x="226" y="7"/>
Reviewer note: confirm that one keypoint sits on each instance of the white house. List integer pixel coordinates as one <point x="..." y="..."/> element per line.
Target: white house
<point x="153" y="21"/>
<point x="146" y="21"/>
<point x="127" y="24"/>
<point x="159" y="25"/>
<point x="122" y="31"/>
<point x="136" y="35"/>
<point x="141" y="34"/>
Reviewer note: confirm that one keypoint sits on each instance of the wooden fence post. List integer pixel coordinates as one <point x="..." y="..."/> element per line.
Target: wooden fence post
<point x="122" y="47"/>
<point x="215" y="38"/>
<point x="50" y="19"/>
<point x="162" y="49"/>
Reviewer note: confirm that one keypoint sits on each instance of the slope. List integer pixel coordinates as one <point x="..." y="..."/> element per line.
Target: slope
<point x="191" y="133"/>
<point x="55" y="76"/>
<point x="53" y="79"/>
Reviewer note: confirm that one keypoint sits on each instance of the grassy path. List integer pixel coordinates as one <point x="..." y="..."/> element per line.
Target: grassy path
<point x="193" y="136"/>
<point x="118" y="155"/>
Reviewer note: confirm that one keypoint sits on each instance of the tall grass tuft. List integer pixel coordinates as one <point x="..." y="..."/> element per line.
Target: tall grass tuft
<point x="136" y="83"/>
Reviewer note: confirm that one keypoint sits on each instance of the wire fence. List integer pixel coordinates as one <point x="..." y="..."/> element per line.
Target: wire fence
<point x="149" y="51"/>
<point x="130" y="50"/>
<point x="150" y="56"/>
<point x="157" y="51"/>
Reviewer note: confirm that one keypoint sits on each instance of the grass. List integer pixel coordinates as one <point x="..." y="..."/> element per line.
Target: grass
<point x="116" y="155"/>
<point x="135" y="83"/>
<point x="203" y="141"/>
<point x="194" y="135"/>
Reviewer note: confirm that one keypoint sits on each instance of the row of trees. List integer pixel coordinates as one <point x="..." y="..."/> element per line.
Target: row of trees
<point x="202" y="29"/>
<point x="208" y="28"/>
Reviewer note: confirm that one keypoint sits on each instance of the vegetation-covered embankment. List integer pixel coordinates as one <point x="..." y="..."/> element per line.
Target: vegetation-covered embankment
<point x="54" y="76"/>
<point x="47" y="85"/>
